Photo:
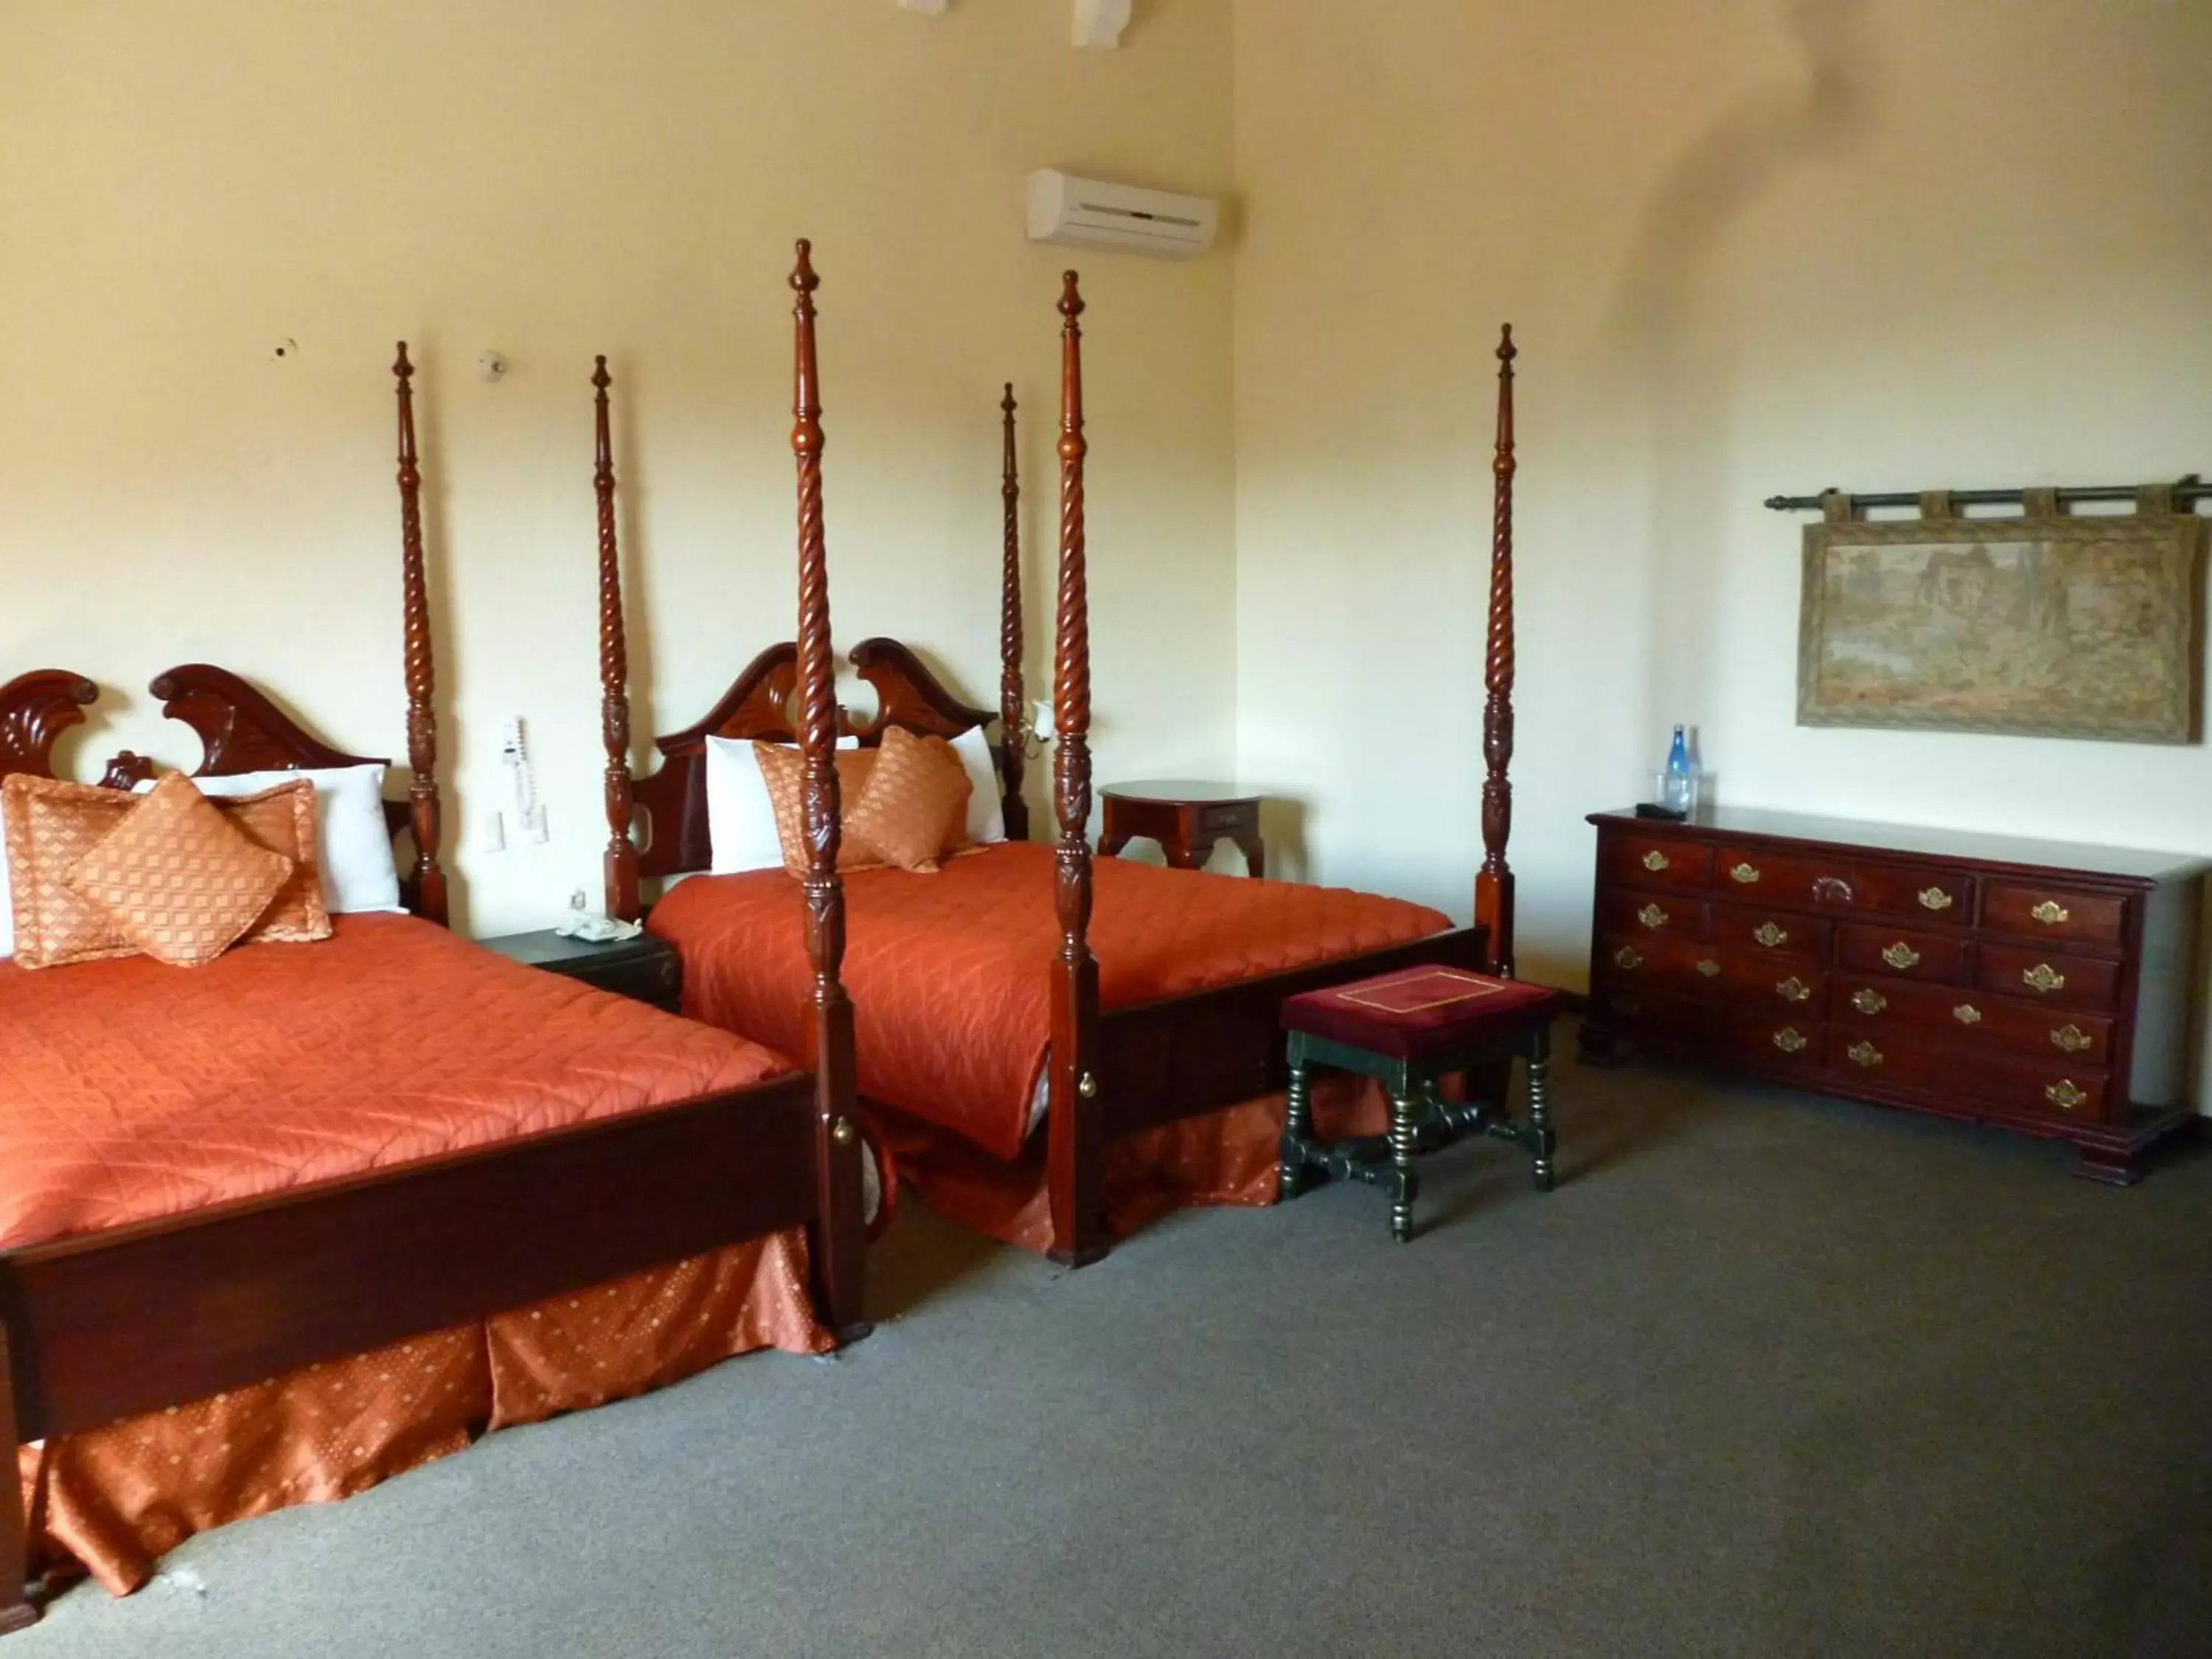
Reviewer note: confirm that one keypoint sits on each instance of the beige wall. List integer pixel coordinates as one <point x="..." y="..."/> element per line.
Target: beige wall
<point x="1750" y="247"/>
<point x="180" y="187"/>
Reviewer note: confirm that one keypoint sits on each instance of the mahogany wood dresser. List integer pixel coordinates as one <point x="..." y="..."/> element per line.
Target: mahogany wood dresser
<point x="2043" y="988"/>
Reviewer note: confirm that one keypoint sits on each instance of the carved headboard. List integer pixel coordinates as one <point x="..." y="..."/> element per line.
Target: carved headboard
<point x="241" y="730"/>
<point x="35" y="709"/>
<point x="757" y="707"/>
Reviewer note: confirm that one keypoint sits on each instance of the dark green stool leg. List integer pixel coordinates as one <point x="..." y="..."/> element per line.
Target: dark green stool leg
<point x="1406" y="1186"/>
<point x="1298" y="1126"/>
<point x="1545" y="1140"/>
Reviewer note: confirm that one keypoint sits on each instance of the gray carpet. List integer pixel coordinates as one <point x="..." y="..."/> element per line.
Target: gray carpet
<point x="1768" y="1375"/>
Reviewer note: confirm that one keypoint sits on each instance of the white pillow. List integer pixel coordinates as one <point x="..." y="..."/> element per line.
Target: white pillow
<point x="987" y="808"/>
<point x="740" y="818"/>
<point x="352" y="843"/>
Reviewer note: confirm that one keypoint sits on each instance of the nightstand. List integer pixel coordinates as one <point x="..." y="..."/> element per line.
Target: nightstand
<point x="646" y="968"/>
<point x="1187" y="818"/>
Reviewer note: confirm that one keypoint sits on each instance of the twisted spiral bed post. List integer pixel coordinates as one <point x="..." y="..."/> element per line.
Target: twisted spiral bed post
<point x="839" y="1235"/>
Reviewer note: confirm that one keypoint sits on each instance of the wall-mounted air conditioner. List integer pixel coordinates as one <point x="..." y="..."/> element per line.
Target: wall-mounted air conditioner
<point x="1065" y="209"/>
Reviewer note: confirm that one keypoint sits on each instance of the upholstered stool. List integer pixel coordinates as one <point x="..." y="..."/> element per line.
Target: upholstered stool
<point x="1410" y="1030"/>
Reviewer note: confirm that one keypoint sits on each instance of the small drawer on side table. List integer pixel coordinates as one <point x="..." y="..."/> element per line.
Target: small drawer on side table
<point x="646" y="969"/>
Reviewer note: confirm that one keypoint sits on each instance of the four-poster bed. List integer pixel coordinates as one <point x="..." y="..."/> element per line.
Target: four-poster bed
<point x="234" y="1192"/>
<point x="1146" y="999"/>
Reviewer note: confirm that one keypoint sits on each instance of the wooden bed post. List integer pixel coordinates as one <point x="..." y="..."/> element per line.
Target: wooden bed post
<point x="429" y="877"/>
<point x="840" y="1240"/>
<point x="1076" y="1137"/>
<point x="620" y="866"/>
<point x="17" y="1610"/>
<point x="1010" y="722"/>
<point x="1493" y="884"/>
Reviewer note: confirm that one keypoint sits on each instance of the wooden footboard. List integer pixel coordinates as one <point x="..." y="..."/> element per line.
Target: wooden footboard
<point x="1182" y="1056"/>
<point x="108" y="1325"/>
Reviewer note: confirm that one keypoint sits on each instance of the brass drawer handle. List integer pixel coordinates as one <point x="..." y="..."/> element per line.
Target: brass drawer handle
<point x="1794" y="989"/>
<point x="1935" y="898"/>
<point x="1652" y="916"/>
<point x="2051" y="914"/>
<point x="1708" y="967"/>
<point x="2064" y="1095"/>
<point x="1655" y="862"/>
<point x="2043" y="977"/>
<point x="1966" y="1014"/>
<point x="1832" y="890"/>
<point x="1744" y="874"/>
<point x="1900" y="955"/>
<point x="1864" y="1053"/>
<point x="1627" y="958"/>
<point x="1789" y="1039"/>
<point x="1769" y="935"/>
<point x="2073" y="1039"/>
<point x="1868" y="1002"/>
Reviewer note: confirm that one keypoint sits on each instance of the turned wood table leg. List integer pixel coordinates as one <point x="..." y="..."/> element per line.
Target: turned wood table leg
<point x="1297" y="1127"/>
<point x="1545" y="1140"/>
<point x="1406" y="1183"/>
<point x="1255" y="855"/>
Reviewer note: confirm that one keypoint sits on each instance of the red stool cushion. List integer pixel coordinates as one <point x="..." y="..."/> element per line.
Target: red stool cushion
<point x="1419" y="1012"/>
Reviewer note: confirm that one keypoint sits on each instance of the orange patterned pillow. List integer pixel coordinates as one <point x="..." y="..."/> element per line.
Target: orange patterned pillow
<point x="783" y="769"/>
<point x="178" y="878"/>
<point x="51" y="825"/>
<point x="282" y="820"/>
<point x="915" y="809"/>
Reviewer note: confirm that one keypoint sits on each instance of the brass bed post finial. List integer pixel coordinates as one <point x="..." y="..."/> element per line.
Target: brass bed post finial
<point x="839" y="1236"/>
<point x="1076" y="1137"/>
<point x="429" y="877"/>
<point x="620" y="865"/>
<point x="1493" y="884"/>
<point x="1011" y="722"/>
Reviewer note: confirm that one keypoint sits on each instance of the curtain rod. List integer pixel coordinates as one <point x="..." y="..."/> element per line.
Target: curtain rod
<point x="2186" y="491"/>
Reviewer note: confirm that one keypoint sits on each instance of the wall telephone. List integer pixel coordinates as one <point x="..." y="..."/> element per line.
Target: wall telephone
<point x="514" y="755"/>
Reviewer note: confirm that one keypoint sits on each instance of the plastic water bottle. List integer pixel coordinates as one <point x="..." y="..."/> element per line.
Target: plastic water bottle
<point x="1682" y="790"/>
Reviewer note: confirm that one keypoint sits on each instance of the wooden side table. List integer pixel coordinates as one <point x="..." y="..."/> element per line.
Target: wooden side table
<point x="646" y="968"/>
<point x="1186" y="817"/>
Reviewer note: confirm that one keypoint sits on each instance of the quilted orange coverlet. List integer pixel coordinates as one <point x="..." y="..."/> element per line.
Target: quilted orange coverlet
<point x="131" y="1090"/>
<point x="949" y="973"/>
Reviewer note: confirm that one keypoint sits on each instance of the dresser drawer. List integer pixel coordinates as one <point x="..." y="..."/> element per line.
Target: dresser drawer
<point x="1653" y="961"/>
<point x="1846" y="886"/>
<point x="1783" y="1043"/>
<point x="1775" y="932"/>
<point x="1655" y="862"/>
<point x="1658" y="1016"/>
<point x="2044" y="912"/>
<point x="1887" y="1010"/>
<point x="1630" y="914"/>
<point x="1755" y="985"/>
<point x="2077" y="1095"/>
<point x="2063" y="981"/>
<point x="1871" y="948"/>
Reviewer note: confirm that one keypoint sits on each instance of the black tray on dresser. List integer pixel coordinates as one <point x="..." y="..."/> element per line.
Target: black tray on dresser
<point x="2041" y="987"/>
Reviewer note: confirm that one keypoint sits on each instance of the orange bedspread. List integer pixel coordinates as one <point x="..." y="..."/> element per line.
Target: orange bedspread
<point x="129" y="1091"/>
<point x="949" y="973"/>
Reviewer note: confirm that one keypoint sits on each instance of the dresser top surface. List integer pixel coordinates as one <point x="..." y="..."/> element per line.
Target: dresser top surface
<point x="1968" y="846"/>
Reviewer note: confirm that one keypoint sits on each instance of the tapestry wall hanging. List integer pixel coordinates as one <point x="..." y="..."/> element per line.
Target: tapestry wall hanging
<point x="2050" y="624"/>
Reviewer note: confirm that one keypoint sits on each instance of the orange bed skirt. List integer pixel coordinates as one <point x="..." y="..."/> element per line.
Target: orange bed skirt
<point x="111" y="1501"/>
<point x="1225" y="1157"/>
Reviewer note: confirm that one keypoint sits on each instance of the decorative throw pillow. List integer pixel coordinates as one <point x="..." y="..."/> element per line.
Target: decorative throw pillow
<point x="178" y="878"/>
<point x="783" y="769"/>
<point x="283" y="821"/>
<point x="915" y="806"/>
<point x="51" y="825"/>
